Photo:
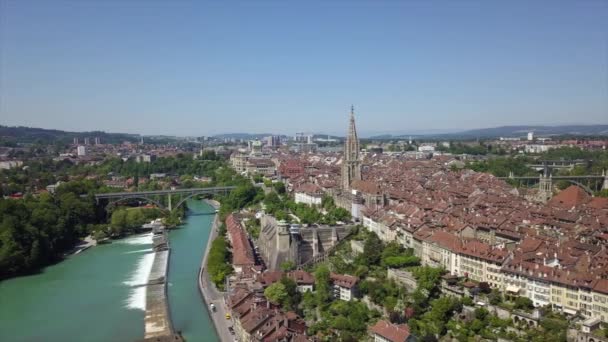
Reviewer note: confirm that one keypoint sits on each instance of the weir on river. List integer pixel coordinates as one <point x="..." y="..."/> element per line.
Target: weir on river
<point x="157" y="321"/>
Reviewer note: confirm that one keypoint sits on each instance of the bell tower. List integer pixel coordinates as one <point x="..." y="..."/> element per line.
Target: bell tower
<point x="351" y="166"/>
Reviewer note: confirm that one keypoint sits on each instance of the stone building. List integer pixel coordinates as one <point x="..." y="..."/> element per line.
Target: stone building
<point x="278" y="244"/>
<point x="351" y="165"/>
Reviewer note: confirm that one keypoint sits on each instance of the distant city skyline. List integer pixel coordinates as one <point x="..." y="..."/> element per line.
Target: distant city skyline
<point x="190" y="68"/>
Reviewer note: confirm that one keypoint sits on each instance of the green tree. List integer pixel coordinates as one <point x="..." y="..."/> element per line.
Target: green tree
<point x="523" y="303"/>
<point x="401" y="261"/>
<point x="372" y="250"/>
<point x="218" y="264"/>
<point x="327" y="202"/>
<point x="279" y="187"/>
<point x="119" y="221"/>
<point x="288" y="266"/>
<point x="293" y="296"/>
<point x="273" y="203"/>
<point x="135" y="218"/>
<point x="339" y="214"/>
<point x="322" y="285"/>
<point x="276" y="293"/>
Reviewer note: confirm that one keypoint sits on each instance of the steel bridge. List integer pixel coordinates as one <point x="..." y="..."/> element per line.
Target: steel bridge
<point x="557" y="164"/>
<point x="576" y="180"/>
<point x="155" y="195"/>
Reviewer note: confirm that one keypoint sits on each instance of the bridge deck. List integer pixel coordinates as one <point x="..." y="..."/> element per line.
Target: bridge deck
<point x="556" y="177"/>
<point x="164" y="192"/>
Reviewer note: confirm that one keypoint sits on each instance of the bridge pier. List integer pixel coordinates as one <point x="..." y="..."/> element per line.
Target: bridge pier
<point x="169" y="202"/>
<point x="605" y="184"/>
<point x="315" y="244"/>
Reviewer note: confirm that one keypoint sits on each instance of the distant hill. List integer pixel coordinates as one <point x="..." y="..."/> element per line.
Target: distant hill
<point x="326" y="136"/>
<point x="243" y="136"/>
<point x="509" y="131"/>
<point x="20" y="134"/>
<point x="520" y="131"/>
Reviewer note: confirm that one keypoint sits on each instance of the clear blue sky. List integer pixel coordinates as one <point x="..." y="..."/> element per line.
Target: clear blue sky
<point x="199" y="68"/>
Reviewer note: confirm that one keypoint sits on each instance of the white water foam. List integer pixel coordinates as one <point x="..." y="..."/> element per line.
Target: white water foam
<point x="145" y="239"/>
<point x="138" y="281"/>
<point x="147" y="250"/>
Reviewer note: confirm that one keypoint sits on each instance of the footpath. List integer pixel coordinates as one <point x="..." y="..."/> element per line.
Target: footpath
<point x="208" y="290"/>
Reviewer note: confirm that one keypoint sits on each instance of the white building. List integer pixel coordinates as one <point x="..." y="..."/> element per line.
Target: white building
<point x="344" y="286"/>
<point x="81" y="150"/>
<point x="530" y="136"/>
<point x="426" y="148"/>
<point x="538" y="148"/>
<point x="9" y="164"/>
<point x="309" y="193"/>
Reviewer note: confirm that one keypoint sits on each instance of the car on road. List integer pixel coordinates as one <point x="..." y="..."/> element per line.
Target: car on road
<point x="212" y="307"/>
<point x="228" y="316"/>
<point x="231" y="330"/>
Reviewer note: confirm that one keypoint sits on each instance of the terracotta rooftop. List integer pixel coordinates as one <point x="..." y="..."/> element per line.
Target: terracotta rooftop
<point x="242" y="253"/>
<point x="391" y="332"/>
<point x="570" y="197"/>
<point x="344" y="280"/>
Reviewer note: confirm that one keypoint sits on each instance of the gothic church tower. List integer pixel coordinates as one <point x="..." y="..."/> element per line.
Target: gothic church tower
<point x="351" y="166"/>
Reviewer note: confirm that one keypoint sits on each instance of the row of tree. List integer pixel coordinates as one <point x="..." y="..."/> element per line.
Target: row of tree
<point x="37" y="231"/>
<point x="218" y="264"/>
<point x="129" y="220"/>
<point x="281" y="207"/>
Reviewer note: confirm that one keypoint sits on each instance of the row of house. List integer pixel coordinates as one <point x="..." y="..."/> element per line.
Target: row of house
<point x="257" y="319"/>
<point x="243" y="258"/>
<point x="528" y="270"/>
<point x="344" y="287"/>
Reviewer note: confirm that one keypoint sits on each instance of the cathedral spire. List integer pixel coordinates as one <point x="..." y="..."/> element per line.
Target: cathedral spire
<point x="351" y="167"/>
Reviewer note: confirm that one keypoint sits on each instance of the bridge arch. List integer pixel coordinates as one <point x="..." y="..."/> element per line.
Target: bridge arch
<point x="146" y="199"/>
<point x="183" y="200"/>
<point x="580" y="185"/>
<point x="116" y="197"/>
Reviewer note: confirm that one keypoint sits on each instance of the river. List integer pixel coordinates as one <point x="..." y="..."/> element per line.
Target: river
<point x="94" y="296"/>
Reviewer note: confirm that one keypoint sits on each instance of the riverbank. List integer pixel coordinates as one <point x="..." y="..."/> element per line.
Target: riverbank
<point x="208" y="290"/>
<point x="112" y="278"/>
<point x="80" y="297"/>
<point x="83" y="245"/>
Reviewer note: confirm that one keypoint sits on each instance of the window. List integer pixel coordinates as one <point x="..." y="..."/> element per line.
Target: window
<point x="571" y="295"/>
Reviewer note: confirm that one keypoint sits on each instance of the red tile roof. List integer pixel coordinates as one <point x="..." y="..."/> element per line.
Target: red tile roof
<point x="570" y="197"/>
<point x="344" y="280"/>
<point x="391" y="332"/>
<point x="242" y="253"/>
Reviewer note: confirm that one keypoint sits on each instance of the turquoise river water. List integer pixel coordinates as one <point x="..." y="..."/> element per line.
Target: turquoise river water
<point x="94" y="296"/>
